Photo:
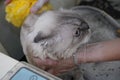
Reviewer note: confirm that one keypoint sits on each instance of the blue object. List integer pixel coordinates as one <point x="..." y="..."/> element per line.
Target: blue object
<point x="27" y="74"/>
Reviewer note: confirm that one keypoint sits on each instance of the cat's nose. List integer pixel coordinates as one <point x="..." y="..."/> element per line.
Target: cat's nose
<point x="84" y="26"/>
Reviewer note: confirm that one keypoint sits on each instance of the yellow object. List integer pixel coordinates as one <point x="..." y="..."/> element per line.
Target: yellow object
<point x="18" y="10"/>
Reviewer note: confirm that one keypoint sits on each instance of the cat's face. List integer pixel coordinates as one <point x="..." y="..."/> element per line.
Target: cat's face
<point x="60" y="33"/>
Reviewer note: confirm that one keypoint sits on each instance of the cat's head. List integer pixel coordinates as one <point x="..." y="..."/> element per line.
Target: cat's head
<point x="60" y="33"/>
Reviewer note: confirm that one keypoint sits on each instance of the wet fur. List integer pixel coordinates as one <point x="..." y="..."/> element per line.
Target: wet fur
<point x="53" y="38"/>
<point x="38" y="35"/>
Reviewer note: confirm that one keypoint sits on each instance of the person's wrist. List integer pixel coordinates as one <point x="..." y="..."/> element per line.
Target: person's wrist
<point x="80" y="56"/>
<point x="75" y="59"/>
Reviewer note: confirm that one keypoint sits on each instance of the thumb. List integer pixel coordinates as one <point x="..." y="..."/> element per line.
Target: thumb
<point x="53" y="71"/>
<point x="38" y="5"/>
<point x="46" y="62"/>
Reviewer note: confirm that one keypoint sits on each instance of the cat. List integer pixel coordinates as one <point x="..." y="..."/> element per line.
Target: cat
<point x="59" y="34"/>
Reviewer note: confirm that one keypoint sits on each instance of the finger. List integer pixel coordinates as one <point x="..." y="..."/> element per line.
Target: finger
<point x="7" y="2"/>
<point x="38" y="5"/>
<point x="54" y="71"/>
<point x="38" y="61"/>
<point x="46" y="62"/>
<point x="51" y="63"/>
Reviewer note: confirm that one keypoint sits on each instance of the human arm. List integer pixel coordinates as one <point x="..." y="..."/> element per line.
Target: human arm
<point x="96" y="52"/>
<point x="101" y="51"/>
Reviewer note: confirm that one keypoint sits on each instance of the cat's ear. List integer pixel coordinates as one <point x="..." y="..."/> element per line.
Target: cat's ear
<point x="40" y="36"/>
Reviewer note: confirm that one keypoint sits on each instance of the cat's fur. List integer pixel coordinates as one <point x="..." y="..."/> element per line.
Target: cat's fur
<point x="58" y="34"/>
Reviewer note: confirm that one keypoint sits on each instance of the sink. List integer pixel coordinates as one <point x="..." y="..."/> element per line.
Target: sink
<point x="9" y="36"/>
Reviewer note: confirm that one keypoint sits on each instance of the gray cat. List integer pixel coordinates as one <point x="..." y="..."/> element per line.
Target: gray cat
<point x="59" y="34"/>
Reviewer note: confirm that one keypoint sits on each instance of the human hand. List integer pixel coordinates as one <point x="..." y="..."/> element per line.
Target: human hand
<point x="45" y="64"/>
<point x="96" y="52"/>
<point x="53" y="66"/>
<point x="62" y="66"/>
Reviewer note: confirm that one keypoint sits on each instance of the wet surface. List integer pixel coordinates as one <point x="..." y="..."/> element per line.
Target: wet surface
<point x="108" y="6"/>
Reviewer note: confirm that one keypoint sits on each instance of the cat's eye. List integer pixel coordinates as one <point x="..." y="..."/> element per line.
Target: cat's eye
<point x="77" y="33"/>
